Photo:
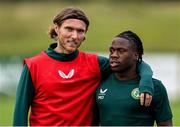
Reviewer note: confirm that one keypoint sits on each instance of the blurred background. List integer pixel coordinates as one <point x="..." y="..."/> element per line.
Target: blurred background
<point x="23" y="33"/>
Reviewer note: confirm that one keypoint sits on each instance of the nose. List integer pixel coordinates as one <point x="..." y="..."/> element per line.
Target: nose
<point x="114" y="54"/>
<point x="74" y="34"/>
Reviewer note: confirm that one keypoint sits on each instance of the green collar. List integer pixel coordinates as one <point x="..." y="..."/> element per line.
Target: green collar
<point x="130" y="81"/>
<point x="60" y="56"/>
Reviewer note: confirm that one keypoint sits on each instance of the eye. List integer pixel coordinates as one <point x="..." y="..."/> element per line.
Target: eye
<point x="81" y="31"/>
<point x="69" y="29"/>
<point x="121" y="50"/>
<point x="111" y="50"/>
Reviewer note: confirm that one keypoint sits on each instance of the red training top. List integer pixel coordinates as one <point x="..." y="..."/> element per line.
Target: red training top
<point x="64" y="91"/>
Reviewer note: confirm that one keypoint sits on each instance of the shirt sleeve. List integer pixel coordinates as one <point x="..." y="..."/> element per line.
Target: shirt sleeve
<point x="104" y="66"/>
<point x="24" y="96"/>
<point x="161" y="105"/>
<point x="146" y="83"/>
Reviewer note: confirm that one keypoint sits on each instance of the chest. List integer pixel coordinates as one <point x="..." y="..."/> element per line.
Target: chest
<point x="120" y="97"/>
<point x="54" y="78"/>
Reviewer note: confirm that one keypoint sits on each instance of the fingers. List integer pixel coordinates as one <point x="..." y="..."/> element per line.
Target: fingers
<point x="145" y="99"/>
<point x="142" y="99"/>
<point x="148" y="99"/>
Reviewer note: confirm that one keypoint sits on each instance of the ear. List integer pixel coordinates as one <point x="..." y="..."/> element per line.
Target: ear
<point x="84" y="38"/>
<point x="136" y="56"/>
<point x="56" y="28"/>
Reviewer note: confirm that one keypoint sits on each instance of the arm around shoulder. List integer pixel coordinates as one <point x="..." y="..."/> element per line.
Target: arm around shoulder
<point x="146" y="84"/>
<point x="104" y="66"/>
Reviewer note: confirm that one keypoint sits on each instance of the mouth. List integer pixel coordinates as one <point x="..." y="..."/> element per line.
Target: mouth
<point x="72" y="43"/>
<point x="114" y="63"/>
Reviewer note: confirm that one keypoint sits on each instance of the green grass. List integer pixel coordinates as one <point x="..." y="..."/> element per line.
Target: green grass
<point x="6" y="110"/>
<point x="176" y="113"/>
<point x="7" y="107"/>
<point x="24" y="25"/>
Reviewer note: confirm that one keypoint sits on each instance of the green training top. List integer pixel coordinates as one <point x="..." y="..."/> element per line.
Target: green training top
<point x="119" y="103"/>
<point x="25" y="90"/>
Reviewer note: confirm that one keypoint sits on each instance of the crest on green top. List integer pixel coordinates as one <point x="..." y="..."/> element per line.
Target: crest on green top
<point x="135" y="93"/>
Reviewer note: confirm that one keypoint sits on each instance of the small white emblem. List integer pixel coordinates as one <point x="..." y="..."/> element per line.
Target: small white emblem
<point x="69" y="75"/>
<point x="102" y="93"/>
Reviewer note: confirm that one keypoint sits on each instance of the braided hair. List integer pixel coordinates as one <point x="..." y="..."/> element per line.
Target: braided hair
<point x="133" y="38"/>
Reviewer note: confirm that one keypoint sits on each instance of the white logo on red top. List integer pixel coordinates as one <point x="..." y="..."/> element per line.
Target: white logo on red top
<point x="69" y="75"/>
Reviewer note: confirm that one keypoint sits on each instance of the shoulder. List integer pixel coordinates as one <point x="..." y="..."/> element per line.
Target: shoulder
<point x="90" y="60"/>
<point x="157" y="82"/>
<point x="37" y="57"/>
<point x="159" y="87"/>
<point x="104" y="66"/>
<point x="88" y="57"/>
<point x="87" y="54"/>
<point x="103" y="60"/>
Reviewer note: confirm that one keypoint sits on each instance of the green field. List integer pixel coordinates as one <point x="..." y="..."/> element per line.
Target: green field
<point x="7" y="105"/>
<point x="24" y="26"/>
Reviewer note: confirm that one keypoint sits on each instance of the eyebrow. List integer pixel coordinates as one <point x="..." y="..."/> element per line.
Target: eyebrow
<point x="75" y="28"/>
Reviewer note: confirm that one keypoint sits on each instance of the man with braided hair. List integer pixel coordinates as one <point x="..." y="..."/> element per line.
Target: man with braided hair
<point x="118" y="95"/>
<point x="58" y="85"/>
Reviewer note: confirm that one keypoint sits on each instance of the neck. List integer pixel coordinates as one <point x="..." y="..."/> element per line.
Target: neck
<point x="60" y="49"/>
<point x="127" y="74"/>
